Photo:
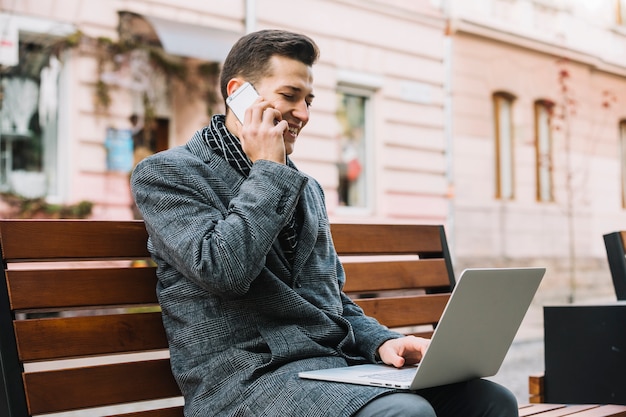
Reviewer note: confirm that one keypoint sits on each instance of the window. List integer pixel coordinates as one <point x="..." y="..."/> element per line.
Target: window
<point x="28" y="122"/>
<point x="352" y="109"/>
<point x="622" y="138"/>
<point x="621" y="12"/>
<point x="543" y="150"/>
<point x="503" y="127"/>
<point x="31" y="161"/>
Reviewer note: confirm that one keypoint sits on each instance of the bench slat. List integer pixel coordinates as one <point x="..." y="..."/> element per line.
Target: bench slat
<point x="95" y="386"/>
<point x="381" y="276"/>
<point x="603" y="410"/>
<point x="56" y="338"/>
<point x="552" y="410"/>
<point x="25" y="240"/>
<point x="395" y="239"/>
<point x="164" y="412"/>
<point x="405" y="310"/>
<point x="560" y="410"/>
<point x="67" y="288"/>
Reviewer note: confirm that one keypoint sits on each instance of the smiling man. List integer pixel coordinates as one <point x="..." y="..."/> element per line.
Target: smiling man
<point x="248" y="278"/>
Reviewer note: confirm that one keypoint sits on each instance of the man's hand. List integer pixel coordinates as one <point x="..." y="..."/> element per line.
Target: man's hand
<point x="262" y="133"/>
<point x="406" y="350"/>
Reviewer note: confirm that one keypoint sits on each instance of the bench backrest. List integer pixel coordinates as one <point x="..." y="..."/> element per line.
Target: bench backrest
<point x="81" y="326"/>
<point x="616" y="256"/>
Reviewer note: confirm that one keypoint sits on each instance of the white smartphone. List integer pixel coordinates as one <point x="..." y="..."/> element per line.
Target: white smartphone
<point x="241" y="99"/>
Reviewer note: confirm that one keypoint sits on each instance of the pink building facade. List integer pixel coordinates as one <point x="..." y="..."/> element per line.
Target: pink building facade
<point x="538" y="92"/>
<point x="378" y="107"/>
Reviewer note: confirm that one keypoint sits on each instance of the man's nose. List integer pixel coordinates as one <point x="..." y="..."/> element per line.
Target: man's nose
<point x="302" y="111"/>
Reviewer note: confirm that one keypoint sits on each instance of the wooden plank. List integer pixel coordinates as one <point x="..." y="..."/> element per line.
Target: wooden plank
<point x="382" y="276"/>
<point x="27" y="240"/>
<point x="534" y="409"/>
<point x="67" y="288"/>
<point x="406" y="310"/>
<point x="163" y="412"/>
<point x="577" y="410"/>
<point x="567" y="410"/>
<point x="604" y="411"/>
<point x="536" y="388"/>
<point x="375" y="238"/>
<point x="536" y="399"/>
<point x="55" y="338"/>
<point x="72" y="389"/>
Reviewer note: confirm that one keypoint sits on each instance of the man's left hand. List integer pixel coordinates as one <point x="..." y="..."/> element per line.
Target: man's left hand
<point x="406" y="350"/>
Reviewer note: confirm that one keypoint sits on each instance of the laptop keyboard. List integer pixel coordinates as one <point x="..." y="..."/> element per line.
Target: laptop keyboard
<point x="399" y="375"/>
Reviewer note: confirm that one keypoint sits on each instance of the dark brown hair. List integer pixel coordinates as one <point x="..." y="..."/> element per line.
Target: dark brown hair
<point x="249" y="57"/>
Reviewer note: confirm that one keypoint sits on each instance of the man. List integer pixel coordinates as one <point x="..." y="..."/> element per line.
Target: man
<point x="248" y="279"/>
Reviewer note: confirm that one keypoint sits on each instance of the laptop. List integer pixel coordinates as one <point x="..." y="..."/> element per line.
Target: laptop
<point x="473" y="336"/>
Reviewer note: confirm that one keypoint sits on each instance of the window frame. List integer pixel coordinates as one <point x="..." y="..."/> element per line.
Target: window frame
<point x="620" y="12"/>
<point x="368" y="186"/>
<point x="54" y="159"/>
<point x="622" y="145"/>
<point x="498" y="98"/>
<point x="542" y="195"/>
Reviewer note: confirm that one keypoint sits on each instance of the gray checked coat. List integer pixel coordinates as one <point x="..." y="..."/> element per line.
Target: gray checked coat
<point x="241" y="322"/>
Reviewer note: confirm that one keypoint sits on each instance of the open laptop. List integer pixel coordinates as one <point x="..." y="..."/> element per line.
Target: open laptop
<point x="471" y="340"/>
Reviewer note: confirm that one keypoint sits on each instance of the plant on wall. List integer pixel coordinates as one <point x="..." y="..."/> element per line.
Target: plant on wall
<point x="18" y="207"/>
<point x="563" y="115"/>
<point x="138" y="63"/>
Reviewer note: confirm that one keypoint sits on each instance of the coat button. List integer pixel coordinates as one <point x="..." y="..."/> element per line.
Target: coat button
<point x="280" y="208"/>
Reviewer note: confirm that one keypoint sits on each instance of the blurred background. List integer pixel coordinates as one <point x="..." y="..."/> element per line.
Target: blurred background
<point x="504" y="120"/>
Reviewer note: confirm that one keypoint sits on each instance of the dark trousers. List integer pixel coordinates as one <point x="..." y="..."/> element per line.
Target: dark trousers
<point x="475" y="398"/>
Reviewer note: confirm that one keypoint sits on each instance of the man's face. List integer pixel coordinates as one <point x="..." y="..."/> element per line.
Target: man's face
<point x="289" y="88"/>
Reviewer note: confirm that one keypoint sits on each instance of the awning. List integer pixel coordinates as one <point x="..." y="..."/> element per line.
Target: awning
<point x="190" y="40"/>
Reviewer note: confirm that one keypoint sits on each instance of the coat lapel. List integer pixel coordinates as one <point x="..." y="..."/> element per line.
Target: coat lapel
<point x="233" y="179"/>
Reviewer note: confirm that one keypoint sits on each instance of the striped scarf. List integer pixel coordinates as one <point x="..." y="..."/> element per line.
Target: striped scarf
<point x="226" y="145"/>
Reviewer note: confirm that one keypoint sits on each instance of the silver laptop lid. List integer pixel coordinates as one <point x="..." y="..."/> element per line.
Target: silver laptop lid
<point x="478" y="325"/>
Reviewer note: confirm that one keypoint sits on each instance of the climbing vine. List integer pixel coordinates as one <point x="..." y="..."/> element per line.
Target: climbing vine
<point x="137" y="64"/>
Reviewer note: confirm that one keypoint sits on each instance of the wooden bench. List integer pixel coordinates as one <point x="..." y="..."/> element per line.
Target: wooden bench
<point x="81" y="326"/>
<point x="616" y="255"/>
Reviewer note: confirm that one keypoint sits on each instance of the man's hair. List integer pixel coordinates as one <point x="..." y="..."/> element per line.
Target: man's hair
<point x="249" y="57"/>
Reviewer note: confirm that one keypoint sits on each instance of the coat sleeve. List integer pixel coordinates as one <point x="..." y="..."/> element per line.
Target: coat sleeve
<point x="214" y="236"/>
<point x="369" y="334"/>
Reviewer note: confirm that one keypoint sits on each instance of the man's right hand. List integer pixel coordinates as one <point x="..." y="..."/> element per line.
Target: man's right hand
<point x="262" y="133"/>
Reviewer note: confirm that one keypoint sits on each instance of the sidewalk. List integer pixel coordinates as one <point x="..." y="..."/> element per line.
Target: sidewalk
<point x="525" y="357"/>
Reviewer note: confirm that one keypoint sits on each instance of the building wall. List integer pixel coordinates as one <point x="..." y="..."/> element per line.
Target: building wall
<point x="392" y="50"/>
<point x="566" y="233"/>
<point x="404" y="68"/>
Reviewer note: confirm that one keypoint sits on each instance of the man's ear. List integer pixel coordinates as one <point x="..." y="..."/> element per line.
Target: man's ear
<point x="233" y="85"/>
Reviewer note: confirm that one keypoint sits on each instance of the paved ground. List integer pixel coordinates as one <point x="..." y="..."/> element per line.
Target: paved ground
<point x="525" y="357"/>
